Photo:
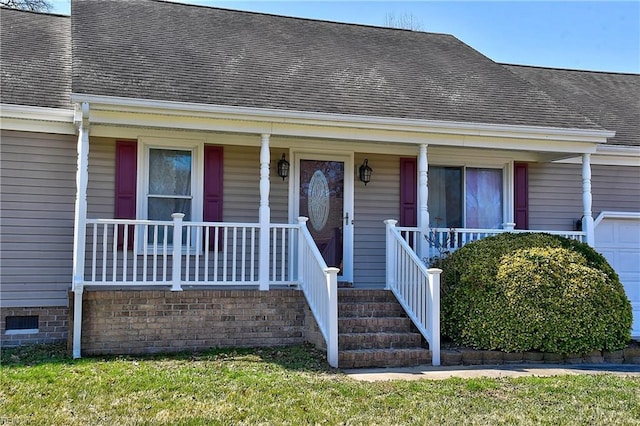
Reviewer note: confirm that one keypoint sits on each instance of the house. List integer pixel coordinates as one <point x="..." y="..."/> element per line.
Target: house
<point x="180" y="177"/>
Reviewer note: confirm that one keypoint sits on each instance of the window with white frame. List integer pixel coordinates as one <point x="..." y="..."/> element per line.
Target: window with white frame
<point x="171" y="182"/>
<point x="466" y="197"/>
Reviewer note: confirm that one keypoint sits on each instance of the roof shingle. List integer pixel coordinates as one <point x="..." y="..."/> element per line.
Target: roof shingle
<point x="36" y="59"/>
<point x="159" y="50"/>
<point x="610" y="99"/>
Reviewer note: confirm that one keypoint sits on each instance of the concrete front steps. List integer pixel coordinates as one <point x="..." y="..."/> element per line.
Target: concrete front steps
<point x="374" y="331"/>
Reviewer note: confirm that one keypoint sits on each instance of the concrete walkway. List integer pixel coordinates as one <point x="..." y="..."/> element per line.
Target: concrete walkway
<point x="491" y="371"/>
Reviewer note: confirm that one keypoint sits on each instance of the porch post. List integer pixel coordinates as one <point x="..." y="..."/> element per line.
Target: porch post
<point x="423" y="199"/>
<point x="331" y="275"/>
<point x="587" y="215"/>
<point x="77" y="322"/>
<point x="390" y="255"/>
<point x="79" y="222"/>
<point x="176" y="256"/>
<point x="434" y="314"/>
<point x="264" y="213"/>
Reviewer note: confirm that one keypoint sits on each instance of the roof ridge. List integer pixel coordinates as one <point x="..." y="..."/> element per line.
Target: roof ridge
<point x="568" y="69"/>
<point x="299" y="18"/>
<point x="35" y="12"/>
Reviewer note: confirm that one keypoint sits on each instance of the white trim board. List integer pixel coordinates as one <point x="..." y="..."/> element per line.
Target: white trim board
<point x="37" y="119"/>
<point x="274" y="121"/>
<point x="611" y="155"/>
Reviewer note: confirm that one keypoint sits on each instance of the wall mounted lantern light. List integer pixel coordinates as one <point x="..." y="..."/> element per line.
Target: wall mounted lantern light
<point x="283" y="167"/>
<point x="365" y="172"/>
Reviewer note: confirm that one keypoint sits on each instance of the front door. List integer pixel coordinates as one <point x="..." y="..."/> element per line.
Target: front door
<point x="324" y="194"/>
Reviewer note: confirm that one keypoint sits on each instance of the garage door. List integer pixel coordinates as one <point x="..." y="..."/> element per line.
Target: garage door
<point x="617" y="237"/>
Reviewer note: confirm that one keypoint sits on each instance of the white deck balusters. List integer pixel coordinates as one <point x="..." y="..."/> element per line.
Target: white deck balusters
<point x="178" y="253"/>
<point x="416" y="288"/>
<point x="320" y="286"/>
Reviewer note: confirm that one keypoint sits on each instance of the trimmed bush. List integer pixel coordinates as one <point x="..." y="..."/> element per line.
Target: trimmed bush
<point x="523" y="292"/>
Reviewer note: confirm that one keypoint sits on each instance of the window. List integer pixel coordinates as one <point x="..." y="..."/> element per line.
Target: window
<point x="21" y="324"/>
<point x="467" y="197"/>
<point x="169" y="186"/>
<point x="483" y="198"/>
<point x="169" y="183"/>
<point x="445" y="197"/>
<point x="156" y="177"/>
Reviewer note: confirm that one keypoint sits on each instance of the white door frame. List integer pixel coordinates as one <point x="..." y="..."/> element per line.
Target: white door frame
<point x="294" y="198"/>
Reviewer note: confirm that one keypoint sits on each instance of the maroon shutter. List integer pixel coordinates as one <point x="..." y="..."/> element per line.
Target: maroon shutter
<point x="212" y="210"/>
<point x="212" y="183"/>
<point x="408" y="192"/>
<point x="521" y="195"/>
<point x="125" y="186"/>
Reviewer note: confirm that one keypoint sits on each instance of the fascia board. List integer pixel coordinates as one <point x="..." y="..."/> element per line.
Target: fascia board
<point x="118" y="121"/>
<point x="37" y="119"/>
<point x="275" y="116"/>
<point x="619" y="150"/>
<point x="611" y="155"/>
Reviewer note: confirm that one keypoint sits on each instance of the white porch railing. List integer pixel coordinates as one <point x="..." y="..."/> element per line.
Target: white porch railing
<point x="416" y="287"/>
<point x="440" y="240"/>
<point x="320" y="286"/>
<point x="142" y="252"/>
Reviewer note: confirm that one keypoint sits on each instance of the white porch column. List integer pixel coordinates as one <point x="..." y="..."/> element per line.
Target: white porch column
<point x="391" y="255"/>
<point x="423" y="199"/>
<point x="434" y="314"/>
<point x="587" y="214"/>
<point x="176" y="256"/>
<point x="331" y="275"/>
<point x="79" y="222"/>
<point x="264" y="213"/>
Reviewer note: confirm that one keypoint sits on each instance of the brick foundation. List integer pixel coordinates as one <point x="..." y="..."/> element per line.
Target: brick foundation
<point x="149" y="321"/>
<point x="53" y="326"/>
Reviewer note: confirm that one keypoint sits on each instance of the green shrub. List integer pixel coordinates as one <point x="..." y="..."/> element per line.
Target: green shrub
<point x="520" y="292"/>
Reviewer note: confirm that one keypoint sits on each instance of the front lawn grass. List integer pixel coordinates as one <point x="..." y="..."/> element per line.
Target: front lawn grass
<point x="40" y="385"/>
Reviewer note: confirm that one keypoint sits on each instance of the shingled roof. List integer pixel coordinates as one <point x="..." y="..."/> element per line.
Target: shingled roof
<point x="610" y="99"/>
<point x="36" y="59"/>
<point x="158" y="50"/>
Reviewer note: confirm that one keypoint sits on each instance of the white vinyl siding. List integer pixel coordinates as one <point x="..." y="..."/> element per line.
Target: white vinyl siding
<point x="241" y="199"/>
<point x="374" y="203"/>
<point x="101" y="185"/>
<point x="241" y="193"/>
<point x="615" y="188"/>
<point x="555" y="193"/>
<point x="279" y="194"/>
<point x="37" y="192"/>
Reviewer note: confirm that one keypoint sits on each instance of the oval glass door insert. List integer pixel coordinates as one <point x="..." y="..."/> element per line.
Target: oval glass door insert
<point x="318" y="200"/>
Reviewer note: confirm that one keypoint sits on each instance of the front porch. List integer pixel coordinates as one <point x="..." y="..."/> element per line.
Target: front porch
<point x="148" y="256"/>
<point x="143" y="292"/>
<point x="139" y="169"/>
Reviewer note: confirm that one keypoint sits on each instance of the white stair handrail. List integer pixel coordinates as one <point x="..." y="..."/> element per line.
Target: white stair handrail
<point x="416" y="288"/>
<point x="319" y="284"/>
